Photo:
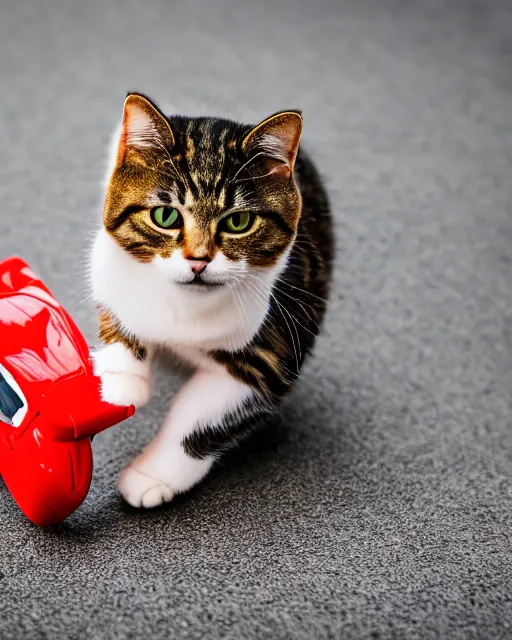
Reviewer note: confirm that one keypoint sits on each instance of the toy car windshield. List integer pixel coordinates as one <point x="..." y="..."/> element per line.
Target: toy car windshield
<point x="13" y="405"/>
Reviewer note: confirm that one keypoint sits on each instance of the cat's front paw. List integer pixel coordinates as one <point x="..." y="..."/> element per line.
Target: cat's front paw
<point x="124" y="379"/>
<point x="125" y="389"/>
<point x="141" y="490"/>
<point x="160" y="473"/>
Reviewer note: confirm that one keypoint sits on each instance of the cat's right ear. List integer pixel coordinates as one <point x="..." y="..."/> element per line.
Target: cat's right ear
<point x="277" y="139"/>
<point x="144" y="128"/>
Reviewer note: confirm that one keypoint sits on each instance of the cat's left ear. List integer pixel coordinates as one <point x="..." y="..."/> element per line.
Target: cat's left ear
<point x="144" y="127"/>
<point x="277" y="139"/>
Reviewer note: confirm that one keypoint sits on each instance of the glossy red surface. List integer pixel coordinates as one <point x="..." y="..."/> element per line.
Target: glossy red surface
<point x="46" y="457"/>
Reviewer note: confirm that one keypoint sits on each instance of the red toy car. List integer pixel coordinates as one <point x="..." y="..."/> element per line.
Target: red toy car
<point x="50" y="404"/>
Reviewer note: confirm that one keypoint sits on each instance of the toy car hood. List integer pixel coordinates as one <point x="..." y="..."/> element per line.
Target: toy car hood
<point x="50" y="399"/>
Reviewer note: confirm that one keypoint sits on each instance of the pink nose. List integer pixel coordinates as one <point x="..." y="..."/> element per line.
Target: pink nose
<point x="198" y="265"/>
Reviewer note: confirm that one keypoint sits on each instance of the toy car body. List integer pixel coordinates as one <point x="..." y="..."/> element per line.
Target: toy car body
<point x="50" y="403"/>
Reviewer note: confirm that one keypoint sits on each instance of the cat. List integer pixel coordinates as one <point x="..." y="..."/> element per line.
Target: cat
<point x="216" y="245"/>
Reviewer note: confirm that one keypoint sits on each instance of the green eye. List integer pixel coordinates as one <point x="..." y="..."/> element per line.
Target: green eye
<point x="166" y="217"/>
<point x="238" y="222"/>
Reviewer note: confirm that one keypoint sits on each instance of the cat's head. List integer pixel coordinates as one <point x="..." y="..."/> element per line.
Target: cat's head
<point x="208" y="202"/>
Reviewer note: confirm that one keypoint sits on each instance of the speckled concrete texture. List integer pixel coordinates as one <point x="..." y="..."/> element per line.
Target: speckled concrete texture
<point x="379" y="505"/>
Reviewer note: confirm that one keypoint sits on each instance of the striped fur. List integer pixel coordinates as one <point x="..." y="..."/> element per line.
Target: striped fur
<point x="263" y="292"/>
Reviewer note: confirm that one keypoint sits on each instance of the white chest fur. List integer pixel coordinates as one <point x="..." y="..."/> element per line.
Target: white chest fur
<point x="161" y="312"/>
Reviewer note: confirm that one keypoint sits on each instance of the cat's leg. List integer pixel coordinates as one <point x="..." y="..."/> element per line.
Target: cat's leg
<point x="123" y="364"/>
<point x="209" y="412"/>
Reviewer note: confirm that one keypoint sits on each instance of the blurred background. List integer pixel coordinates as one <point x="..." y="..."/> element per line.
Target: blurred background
<point x="385" y="511"/>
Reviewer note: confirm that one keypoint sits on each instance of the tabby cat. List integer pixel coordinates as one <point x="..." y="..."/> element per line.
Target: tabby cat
<point x="216" y="245"/>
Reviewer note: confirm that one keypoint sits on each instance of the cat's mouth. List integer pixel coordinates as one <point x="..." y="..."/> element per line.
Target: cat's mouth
<point x="199" y="284"/>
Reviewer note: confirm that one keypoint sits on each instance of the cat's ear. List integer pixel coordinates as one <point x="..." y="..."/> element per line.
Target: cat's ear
<point x="144" y="127"/>
<point x="277" y="140"/>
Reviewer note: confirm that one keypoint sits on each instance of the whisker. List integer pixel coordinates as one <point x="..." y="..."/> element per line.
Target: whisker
<point x="291" y="298"/>
<point x="237" y="301"/>
<point x="243" y="307"/>
<point x="245" y="165"/>
<point x="252" y="178"/>
<point x="279" y="279"/>
<point x="282" y="309"/>
<point x="258" y="297"/>
<point x="298" y="302"/>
